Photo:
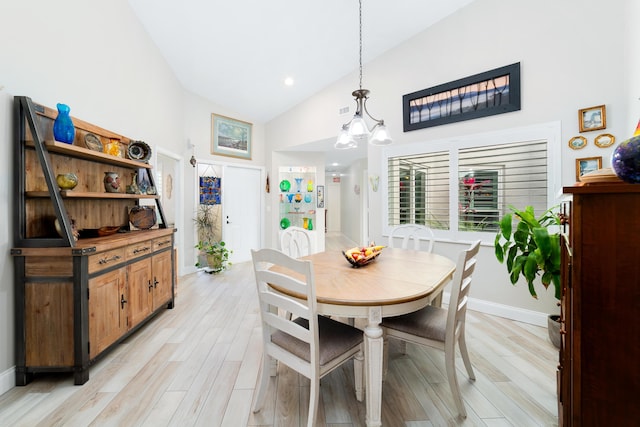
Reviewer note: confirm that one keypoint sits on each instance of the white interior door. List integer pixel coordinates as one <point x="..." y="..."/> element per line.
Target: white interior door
<point x="242" y="207"/>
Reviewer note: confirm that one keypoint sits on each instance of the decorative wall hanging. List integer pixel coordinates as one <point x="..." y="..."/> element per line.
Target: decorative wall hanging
<point x="320" y="195"/>
<point x="604" y="140"/>
<point x="592" y="118"/>
<point x="230" y="137"/>
<point x="209" y="190"/>
<point x="577" y="142"/>
<point x="586" y="165"/>
<point x="492" y="92"/>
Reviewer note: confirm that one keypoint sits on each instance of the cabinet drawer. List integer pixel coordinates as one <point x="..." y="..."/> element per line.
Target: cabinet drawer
<point x="161" y="243"/>
<point x="105" y="259"/>
<point x="138" y="249"/>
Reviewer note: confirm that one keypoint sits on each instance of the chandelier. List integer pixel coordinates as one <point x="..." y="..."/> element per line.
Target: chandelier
<point x="356" y="130"/>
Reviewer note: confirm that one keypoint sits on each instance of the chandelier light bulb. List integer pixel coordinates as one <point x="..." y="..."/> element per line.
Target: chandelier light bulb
<point x="356" y="130"/>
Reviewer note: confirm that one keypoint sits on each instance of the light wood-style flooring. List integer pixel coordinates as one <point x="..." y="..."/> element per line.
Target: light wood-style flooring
<point x="197" y="365"/>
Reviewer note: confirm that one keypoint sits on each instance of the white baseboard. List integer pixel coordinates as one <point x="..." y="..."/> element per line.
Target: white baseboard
<point x="509" y="312"/>
<point x="7" y="380"/>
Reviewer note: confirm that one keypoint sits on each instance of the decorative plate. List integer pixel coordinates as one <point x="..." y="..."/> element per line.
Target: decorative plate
<point x="139" y="150"/>
<point x="93" y="142"/>
<point x="142" y="217"/>
<point x="285" y="185"/>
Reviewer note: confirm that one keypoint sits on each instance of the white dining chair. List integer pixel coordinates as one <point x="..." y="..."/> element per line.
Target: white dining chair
<point x="295" y="242"/>
<point x="416" y="232"/>
<point x="312" y="345"/>
<point x="442" y="328"/>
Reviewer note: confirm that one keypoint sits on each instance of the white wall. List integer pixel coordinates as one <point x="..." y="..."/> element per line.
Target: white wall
<point x="97" y="58"/>
<point x="567" y="63"/>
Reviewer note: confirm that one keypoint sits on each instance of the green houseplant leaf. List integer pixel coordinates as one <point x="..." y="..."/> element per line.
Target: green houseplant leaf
<point x="531" y="251"/>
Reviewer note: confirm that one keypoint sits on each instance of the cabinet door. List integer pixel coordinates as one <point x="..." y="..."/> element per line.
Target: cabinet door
<point x="140" y="291"/>
<point x="107" y="319"/>
<point x="162" y="278"/>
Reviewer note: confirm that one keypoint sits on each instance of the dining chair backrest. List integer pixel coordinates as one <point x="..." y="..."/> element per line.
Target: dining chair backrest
<point x="296" y="340"/>
<point x="416" y="232"/>
<point x="295" y="242"/>
<point x="442" y="328"/>
<point x="460" y="286"/>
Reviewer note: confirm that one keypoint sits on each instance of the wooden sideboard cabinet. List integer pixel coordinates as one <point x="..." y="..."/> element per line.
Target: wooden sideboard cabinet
<point x="599" y="369"/>
<point x="76" y="299"/>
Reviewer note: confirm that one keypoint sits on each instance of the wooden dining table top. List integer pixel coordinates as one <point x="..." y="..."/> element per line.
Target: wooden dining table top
<point x="396" y="276"/>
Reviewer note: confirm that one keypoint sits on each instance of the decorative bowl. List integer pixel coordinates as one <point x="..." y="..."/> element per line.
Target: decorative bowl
<point x="139" y="150"/>
<point x="67" y="181"/>
<point x="360" y="256"/>
<point x="98" y="232"/>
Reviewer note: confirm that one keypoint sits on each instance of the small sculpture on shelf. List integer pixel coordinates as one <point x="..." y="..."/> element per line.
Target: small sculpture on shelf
<point x="111" y="182"/>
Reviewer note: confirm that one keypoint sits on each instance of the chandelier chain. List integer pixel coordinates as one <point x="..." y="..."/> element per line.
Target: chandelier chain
<point x="360" y="52"/>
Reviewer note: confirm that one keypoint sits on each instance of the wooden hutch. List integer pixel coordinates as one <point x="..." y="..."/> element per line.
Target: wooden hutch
<point x="76" y="299"/>
<point x="599" y="370"/>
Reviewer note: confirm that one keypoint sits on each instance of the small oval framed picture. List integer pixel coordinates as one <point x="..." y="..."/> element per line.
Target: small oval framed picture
<point x="577" y="142"/>
<point x="604" y="140"/>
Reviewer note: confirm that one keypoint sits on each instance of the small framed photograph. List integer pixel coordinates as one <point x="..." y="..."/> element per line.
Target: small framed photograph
<point x="604" y="140"/>
<point x="230" y="137"/>
<point x="592" y="118"/>
<point x="320" y="195"/>
<point x="577" y="142"/>
<point x="586" y="165"/>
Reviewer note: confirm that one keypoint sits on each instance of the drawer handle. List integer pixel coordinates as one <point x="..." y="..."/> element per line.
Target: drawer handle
<point x="108" y="260"/>
<point x="143" y="249"/>
<point x="166" y="242"/>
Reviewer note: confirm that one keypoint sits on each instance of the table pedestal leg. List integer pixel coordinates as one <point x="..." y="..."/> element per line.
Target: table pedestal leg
<point x="373" y="346"/>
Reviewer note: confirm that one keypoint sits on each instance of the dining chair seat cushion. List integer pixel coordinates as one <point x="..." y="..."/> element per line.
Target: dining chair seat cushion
<point x="335" y="338"/>
<point x="429" y="322"/>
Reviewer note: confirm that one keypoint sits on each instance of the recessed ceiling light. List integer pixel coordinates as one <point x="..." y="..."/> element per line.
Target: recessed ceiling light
<point x="334" y="164"/>
<point x="288" y="81"/>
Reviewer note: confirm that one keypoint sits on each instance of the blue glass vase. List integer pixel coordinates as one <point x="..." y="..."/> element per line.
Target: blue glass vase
<point x="63" y="129"/>
<point x="625" y="160"/>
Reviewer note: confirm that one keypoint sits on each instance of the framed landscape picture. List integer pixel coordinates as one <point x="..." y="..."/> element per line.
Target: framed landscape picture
<point x="592" y="118"/>
<point x="492" y="92"/>
<point x="586" y="165"/>
<point x="230" y="137"/>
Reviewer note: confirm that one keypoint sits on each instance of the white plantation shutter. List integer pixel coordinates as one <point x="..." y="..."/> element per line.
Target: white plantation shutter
<point x="489" y="178"/>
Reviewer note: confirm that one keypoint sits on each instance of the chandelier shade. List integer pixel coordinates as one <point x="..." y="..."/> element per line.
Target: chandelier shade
<point x="357" y="130"/>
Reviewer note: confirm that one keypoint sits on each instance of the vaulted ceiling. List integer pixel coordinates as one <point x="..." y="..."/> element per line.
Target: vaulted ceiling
<point x="237" y="53"/>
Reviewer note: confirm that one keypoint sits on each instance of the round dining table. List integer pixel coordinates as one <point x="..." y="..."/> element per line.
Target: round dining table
<point x="398" y="281"/>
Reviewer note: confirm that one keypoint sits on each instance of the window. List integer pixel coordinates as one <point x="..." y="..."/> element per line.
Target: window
<point x="469" y="186"/>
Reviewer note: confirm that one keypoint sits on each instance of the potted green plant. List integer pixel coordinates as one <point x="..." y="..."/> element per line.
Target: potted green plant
<point x="217" y="255"/>
<point x="532" y="251"/>
<point x="213" y="252"/>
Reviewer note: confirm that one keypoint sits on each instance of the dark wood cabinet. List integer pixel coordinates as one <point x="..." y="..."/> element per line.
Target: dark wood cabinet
<point x="75" y="299"/>
<point x="599" y="369"/>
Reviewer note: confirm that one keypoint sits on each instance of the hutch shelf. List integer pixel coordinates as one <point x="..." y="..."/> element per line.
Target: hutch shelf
<point x="75" y="299"/>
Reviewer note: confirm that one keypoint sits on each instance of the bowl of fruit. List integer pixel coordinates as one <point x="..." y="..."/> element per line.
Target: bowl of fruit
<point x="362" y="255"/>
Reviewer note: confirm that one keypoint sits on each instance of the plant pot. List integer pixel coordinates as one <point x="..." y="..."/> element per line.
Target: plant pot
<point x="214" y="261"/>
<point x="553" y="327"/>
